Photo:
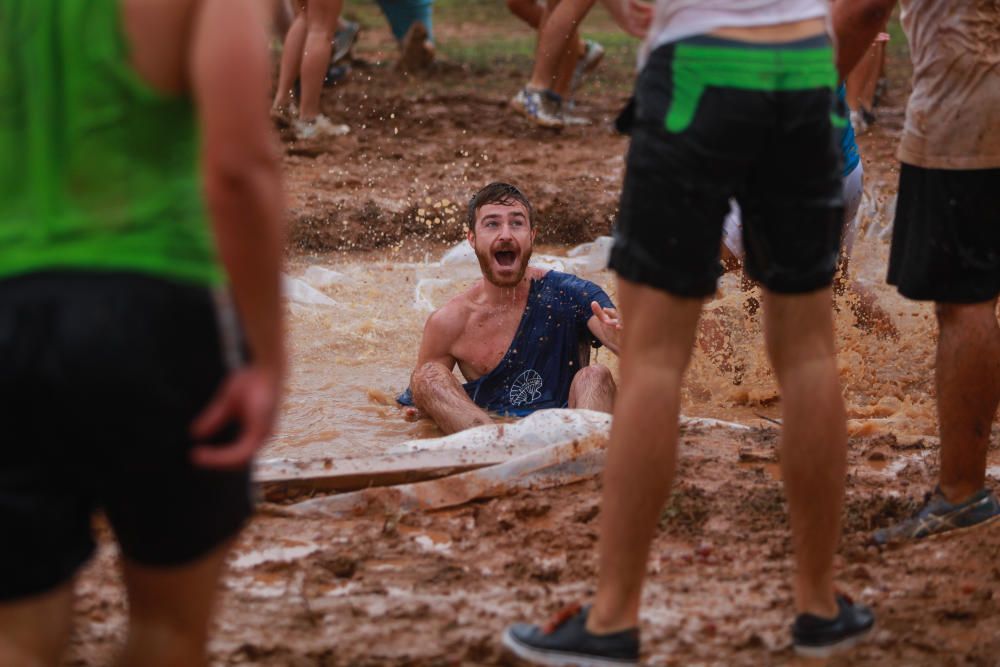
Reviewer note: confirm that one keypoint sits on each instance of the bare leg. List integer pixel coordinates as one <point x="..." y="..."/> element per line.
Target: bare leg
<point x="967" y="375"/>
<point x="799" y="334"/>
<point x="593" y="388"/>
<point x="291" y="60"/>
<point x="34" y="631"/>
<point x="437" y="392"/>
<point x="567" y="64"/>
<point x="557" y="41"/>
<point x="321" y="24"/>
<point x="170" y="610"/>
<point x="528" y="11"/>
<point x="642" y="454"/>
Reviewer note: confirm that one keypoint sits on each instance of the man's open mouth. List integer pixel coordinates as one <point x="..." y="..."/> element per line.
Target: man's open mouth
<point x="505" y="257"/>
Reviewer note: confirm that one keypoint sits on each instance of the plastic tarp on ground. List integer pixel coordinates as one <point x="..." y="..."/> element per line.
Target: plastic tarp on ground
<point x="548" y="448"/>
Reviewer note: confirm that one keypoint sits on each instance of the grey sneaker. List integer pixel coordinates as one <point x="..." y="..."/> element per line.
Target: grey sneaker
<point x="588" y="62"/>
<point x="564" y="641"/>
<point x="543" y="107"/>
<point x="939" y="516"/>
<point x="344" y="39"/>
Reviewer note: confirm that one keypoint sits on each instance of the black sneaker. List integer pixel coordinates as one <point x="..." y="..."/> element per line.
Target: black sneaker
<point x="564" y="641"/>
<point x="816" y="637"/>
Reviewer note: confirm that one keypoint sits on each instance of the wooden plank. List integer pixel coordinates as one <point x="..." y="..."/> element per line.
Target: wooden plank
<point x="287" y="477"/>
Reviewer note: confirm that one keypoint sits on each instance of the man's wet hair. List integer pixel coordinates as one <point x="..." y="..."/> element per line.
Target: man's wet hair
<point x="498" y="193"/>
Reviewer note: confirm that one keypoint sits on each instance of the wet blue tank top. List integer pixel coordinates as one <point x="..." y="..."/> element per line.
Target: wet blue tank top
<point x="539" y="366"/>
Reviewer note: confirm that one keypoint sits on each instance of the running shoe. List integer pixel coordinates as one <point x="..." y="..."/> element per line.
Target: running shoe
<point x="591" y="58"/>
<point x="939" y="516"/>
<point x="817" y="637"/>
<point x="321" y="126"/>
<point x="344" y="39"/>
<point x="564" y="641"/>
<point x="543" y="107"/>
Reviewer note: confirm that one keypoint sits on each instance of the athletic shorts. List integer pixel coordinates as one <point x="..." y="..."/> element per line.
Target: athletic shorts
<point x="715" y="119"/>
<point x="946" y="235"/>
<point x="732" y="229"/>
<point x="101" y="376"/>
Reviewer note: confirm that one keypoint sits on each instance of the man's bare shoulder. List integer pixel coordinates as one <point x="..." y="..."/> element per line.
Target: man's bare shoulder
<point x="449" y="320"/>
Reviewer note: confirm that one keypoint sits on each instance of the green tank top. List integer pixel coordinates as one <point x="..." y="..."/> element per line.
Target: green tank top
<point x="97" y="169"/>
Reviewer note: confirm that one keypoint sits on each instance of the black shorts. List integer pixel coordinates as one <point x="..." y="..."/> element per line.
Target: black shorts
<point x="946" y="235"/>
<point x="714" y="119"/>
<point x="101" y="375"/>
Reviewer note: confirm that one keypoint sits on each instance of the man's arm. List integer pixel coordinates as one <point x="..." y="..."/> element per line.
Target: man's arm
<point x="856" y="23"/>
<point x="230" y="75"/>
<point x="440" y="332"/>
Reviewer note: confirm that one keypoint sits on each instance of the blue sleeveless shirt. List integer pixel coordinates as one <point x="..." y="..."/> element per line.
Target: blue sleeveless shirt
<point x="539" y="366"/>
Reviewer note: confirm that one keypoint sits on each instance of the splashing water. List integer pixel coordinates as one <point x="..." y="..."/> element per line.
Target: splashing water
<point x="356" y="322"/>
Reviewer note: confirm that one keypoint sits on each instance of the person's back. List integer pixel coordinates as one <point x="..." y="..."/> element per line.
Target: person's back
<point x="98" y="169"/>
<point x="126" y="127"/>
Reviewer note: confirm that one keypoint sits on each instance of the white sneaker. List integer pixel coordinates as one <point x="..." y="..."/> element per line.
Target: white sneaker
<point x="543" y="107"/>
<point x="319" y="127"/>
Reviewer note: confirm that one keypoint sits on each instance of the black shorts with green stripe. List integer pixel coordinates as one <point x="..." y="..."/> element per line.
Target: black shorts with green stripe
<point x="715" y="119"/>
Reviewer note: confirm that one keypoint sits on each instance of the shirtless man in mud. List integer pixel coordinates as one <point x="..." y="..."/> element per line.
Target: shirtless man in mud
<point x="521" y="336"/>
<point x="140" y="177"/>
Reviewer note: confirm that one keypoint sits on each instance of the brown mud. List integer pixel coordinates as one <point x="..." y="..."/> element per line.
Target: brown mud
<point x="428" y="589"/>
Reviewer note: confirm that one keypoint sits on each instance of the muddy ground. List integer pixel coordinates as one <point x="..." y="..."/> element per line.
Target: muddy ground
<point x="437" y="588"/>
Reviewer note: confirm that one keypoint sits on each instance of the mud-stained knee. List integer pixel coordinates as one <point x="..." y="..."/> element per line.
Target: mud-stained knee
<point x="595" y="374"/>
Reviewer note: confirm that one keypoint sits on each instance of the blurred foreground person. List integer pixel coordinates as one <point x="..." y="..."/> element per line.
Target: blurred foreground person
<point x="946" y="243"/>
<point x="130" y="131"/>
<point x="736" y="99"/>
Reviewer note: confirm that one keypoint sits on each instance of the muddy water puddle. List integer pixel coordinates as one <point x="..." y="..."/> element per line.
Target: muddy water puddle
<point x="356" y="321"/>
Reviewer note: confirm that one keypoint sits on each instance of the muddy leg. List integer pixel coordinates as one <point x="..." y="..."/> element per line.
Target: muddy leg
<point x="642" y="454"/>
<point x="593" y="388"/>
<point x="34" y="631"/>
<point x="967" y="375"/>
<point x="799" y="334"/>
<point x="437" y="392"/>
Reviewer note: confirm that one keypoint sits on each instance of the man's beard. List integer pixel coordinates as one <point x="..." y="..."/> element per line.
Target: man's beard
<point x="486" y="265"/>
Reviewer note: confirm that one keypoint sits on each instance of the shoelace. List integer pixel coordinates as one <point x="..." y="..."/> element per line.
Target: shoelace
<point x="560" y="617"/>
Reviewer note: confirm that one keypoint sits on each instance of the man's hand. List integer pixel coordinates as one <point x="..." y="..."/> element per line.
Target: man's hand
<point x="607" y="326"/>
<point x="248" y="399"/>
<point x="413" y="414"/>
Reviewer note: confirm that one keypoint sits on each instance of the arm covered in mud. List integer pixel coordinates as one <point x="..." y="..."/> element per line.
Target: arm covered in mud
<point x="441" y="330"/>
<point x="230" y="79"/>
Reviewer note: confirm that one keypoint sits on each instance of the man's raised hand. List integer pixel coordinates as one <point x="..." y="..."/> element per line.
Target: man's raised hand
<point x="608" y="326"/>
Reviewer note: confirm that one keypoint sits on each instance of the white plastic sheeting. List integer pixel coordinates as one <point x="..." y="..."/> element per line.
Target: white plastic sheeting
<point x="548" y="448"/>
